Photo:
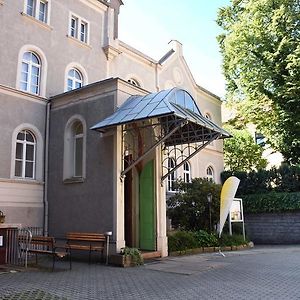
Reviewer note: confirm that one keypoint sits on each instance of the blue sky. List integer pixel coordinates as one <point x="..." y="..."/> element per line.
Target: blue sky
<point x="150" y="25"/>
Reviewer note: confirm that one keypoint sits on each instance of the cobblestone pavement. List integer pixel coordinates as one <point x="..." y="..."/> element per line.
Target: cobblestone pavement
<point x="260" y="273"/>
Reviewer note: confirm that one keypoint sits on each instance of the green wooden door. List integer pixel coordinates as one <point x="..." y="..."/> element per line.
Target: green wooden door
<point x="147" y="208"/>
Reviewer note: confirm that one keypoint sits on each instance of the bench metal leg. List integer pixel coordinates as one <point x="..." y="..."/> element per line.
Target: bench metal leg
<point x="53" y="262"/>
<point x="70" y="260"/>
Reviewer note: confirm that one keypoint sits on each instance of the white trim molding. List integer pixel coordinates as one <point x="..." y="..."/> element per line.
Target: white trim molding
<point x="68" y="164"/>
<point x="43" y="70"/>
<point x="77" y="66"/>
<point x="39" y="155"/>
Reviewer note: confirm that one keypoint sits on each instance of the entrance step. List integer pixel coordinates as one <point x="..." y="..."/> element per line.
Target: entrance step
<point x="151" y="254"/>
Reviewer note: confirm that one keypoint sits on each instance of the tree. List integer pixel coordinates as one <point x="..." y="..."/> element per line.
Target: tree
<point x="241" y="153"/>
<point x="188" y="209"/>
<point x="261" y="61"/>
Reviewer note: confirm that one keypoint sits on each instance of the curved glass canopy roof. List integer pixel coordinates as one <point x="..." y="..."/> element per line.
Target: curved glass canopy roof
<point x="164" y="105"/>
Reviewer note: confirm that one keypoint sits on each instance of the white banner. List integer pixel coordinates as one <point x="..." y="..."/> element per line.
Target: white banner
<point x="227" y="194"/>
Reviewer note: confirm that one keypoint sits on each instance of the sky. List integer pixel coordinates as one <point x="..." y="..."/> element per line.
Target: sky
<point x="149" y="25"/>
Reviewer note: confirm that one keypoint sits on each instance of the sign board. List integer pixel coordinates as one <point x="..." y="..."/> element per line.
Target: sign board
<point x="236" y="210"/>
<point x="236" y="214"/>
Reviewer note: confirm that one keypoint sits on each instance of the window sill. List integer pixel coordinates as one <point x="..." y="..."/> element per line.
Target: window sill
<point x="73" y="180"/>
<point x="40" y="23"/>
<point x="78" y="42"/>
<point x="24" y="180"/>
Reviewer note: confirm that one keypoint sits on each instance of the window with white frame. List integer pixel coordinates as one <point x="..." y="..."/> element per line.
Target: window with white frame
<point x="187" y="172"/>
<point x="79" y="28"/>
<point x="74" y="80"/>
<point x="25" y="155"/>
<point x="74" y="150"/>
<point x="172" y="176"/>
<point x="134" y="82"/>
<point x="37" y="9"/>
<point x="210" y="173"/>
<point x="30" y="73"/>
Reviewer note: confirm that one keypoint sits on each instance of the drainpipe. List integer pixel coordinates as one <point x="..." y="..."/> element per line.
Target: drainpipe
<point x="46" y="169"/>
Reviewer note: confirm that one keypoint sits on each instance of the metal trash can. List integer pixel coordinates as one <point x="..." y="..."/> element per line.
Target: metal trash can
<point x="8" y="243"/>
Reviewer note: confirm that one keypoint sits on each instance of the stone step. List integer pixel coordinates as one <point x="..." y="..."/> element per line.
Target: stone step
<point x="151" y="254"/>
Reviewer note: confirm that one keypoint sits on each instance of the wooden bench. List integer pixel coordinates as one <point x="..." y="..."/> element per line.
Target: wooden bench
<point x="85" y="241"/>
<point x="42" y="245"/>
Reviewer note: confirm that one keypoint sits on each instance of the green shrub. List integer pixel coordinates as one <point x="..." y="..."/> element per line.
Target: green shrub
<point x="185" y="240"/>
<point x="188" y="209"/>
<point x="232" y="240"/>
<point x="271" y="202"/>
<point x="205" y="239"/>
<point x="284" y="179"/>
<point x="182" y="240"/>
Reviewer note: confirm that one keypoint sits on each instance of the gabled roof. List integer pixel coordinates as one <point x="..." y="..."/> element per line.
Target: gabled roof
<point x="164" y="105"/>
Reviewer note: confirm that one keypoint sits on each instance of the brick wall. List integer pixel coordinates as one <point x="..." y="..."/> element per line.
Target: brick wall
<point x="273" y="228"/>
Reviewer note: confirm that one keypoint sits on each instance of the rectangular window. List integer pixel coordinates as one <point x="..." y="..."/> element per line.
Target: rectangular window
<point x="74" y="25"/>
<point x="43" y="11"/>
<point x="30" y="8"/>
<point x="83" y="32"/>
<point x="79" y="28"/>
<point x="37" y="9"/>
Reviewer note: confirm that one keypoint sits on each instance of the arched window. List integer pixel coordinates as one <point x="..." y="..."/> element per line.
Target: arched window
<point x="210" y="173"/>
<point x="75" y="79"/>
<point x="134" y="82"/>
<point x="173" y="176"/>
<point x="30" y="73"/>
<point x="187" y="172"/>
<point x="74" y="148"/>
<point x="25" y="155"/>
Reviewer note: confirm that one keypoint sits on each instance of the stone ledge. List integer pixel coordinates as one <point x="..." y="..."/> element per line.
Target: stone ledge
<point x="209" y="250"/>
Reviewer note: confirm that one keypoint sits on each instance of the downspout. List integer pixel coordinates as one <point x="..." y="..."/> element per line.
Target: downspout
<point x="46" y="169"/>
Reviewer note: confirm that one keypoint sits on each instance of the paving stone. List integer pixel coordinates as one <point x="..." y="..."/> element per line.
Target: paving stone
<point x="260" y="273"/>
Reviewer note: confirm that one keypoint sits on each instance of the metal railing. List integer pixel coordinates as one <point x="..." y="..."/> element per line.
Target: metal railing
<point x="18" y="241"/>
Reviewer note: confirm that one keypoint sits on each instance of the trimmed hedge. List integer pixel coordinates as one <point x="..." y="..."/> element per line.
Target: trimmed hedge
<point x="271" y="202"/>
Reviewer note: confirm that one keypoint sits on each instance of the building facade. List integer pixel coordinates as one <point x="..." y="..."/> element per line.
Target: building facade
<point x="63" y="69"/>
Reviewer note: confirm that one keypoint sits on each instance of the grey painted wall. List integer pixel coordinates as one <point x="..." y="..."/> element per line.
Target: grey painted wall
<point x="273" y="228"/>
<point x="52" y="40"/>
<point x="15" y="110"/>
<point x="86" y="206"/>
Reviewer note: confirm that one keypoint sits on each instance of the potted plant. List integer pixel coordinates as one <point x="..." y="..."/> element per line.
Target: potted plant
<point x="2" y="217"/>
<point x="131" y="257"/>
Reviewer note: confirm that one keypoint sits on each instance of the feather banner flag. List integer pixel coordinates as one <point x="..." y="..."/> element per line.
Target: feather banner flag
<point x="227" y="194"/>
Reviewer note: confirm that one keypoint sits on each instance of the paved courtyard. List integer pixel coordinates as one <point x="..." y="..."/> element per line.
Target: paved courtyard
<point x="260" y="273"/>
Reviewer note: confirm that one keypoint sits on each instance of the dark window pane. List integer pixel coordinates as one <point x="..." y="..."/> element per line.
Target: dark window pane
<point x="29" y="170"/>
<point x="29" y="152"/>
<point x="29" y="137"/>
<point x="19" y="151"/>
<point x="21" y="136"/>
<point x="18" y="168"/>
<point x="78" y="156"/>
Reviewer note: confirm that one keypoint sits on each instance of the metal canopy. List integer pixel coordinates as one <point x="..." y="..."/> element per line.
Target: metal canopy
<point x="172" y="119"/>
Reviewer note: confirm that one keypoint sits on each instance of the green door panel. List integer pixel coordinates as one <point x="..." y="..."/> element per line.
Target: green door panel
<point x="147" y="208"/>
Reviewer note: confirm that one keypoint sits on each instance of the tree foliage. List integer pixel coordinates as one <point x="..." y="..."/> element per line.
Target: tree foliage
<point x="241" y="153"/>
<point x="188" y="209"/>
<point x="261" y="62"/>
